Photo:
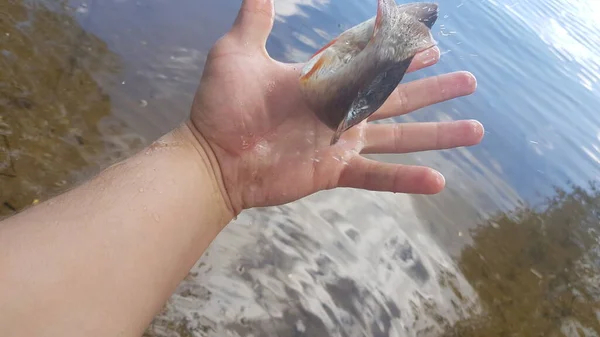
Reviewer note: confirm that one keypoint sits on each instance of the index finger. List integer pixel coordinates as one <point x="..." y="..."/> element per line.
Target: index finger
<point x="424" y="59"/>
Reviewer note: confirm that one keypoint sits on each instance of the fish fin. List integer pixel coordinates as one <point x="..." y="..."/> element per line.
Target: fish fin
<point x="372" y="97"/>
<point x="325" y="47"/>
<point x="385" y="10"/>
<point x="424" y="12"/>
<point x="314" y="66"/>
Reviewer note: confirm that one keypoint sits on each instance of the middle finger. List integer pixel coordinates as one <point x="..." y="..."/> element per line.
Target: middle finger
<point x="424" y="92"/>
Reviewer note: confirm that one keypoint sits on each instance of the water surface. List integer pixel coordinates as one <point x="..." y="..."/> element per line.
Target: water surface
<point x="510" y="248"/>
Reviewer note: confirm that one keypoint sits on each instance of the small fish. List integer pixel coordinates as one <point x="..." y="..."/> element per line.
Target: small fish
<point x="351" y="77"/>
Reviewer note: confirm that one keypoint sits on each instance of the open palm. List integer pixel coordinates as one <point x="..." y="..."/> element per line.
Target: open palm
<point x="270" y="147"/>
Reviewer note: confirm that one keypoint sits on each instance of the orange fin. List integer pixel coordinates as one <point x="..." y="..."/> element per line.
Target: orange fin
<point x="384" y="10"/>
<point x="378" y="18"/>
<point x="325" y="47"/>
<point x="318" y="65"/>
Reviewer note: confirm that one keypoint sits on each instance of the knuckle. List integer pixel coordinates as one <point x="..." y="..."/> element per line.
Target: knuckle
<point x="398" y="135"/>
<point x="402" y="98"/>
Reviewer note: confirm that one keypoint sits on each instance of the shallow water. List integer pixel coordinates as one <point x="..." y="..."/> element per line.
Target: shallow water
<point x="85" y="83"/>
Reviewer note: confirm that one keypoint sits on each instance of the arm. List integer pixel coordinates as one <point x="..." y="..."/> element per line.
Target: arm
<point x="102" y="259"/>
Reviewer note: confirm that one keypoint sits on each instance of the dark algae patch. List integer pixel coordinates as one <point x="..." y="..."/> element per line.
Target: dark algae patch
<point x="535" y="270"/>
<point x="55" y="119"/>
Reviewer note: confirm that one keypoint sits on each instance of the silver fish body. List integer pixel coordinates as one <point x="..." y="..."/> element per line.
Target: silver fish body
<point x="351" y="77"/>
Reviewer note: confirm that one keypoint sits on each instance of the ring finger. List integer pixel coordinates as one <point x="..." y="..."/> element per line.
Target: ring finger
<point x="413" y="137"/>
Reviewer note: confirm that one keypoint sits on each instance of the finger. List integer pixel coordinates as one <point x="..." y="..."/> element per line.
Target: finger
<point x="372" y="175"/>
<point x="424" y="59"/>
<point x="254" y="22"/>
<point x="421" y="93"/>
<point x="412" y="137"/>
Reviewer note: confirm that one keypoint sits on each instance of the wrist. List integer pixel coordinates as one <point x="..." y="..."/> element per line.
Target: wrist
<point x="202" y="154"/>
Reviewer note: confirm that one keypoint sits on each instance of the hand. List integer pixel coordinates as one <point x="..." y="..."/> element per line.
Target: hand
<point x="269" y="147"/>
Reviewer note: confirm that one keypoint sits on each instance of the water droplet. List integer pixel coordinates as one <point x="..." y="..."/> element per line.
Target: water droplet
<point x="429" y="61"/>
<point x="262" y="148"/>
<point x="143" y="103"/>
<point x="156" y="217"/>
<point x="141" y="190"/>
<point x="245" y="144"/>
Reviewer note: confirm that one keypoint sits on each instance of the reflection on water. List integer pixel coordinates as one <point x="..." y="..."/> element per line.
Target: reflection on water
<point x="472" y="261"/>
<point x="529" y="272"/>
<point x="306" y="269"/>
<point x="536" y="271"/>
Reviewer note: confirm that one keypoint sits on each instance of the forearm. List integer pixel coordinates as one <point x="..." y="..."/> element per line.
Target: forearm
<point x="101" y="259"/>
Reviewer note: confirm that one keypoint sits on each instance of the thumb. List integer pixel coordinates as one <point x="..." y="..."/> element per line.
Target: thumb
<point x="254" y="22"/>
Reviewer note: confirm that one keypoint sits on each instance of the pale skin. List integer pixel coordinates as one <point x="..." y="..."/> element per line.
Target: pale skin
<point x="104" y="257"/>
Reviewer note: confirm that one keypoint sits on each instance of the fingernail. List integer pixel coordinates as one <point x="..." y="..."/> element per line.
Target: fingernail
<point x="478" y="128"/>
<point x="440" y="178"/>
<point x="471" y="80"/>
<point x="429" y="56"/>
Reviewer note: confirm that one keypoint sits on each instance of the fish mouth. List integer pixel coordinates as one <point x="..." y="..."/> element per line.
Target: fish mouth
<point x="429" y="17"/>
<point x="339" y="131"/>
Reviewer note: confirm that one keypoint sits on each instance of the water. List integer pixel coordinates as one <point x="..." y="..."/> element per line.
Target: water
<point x="86" y="85"/>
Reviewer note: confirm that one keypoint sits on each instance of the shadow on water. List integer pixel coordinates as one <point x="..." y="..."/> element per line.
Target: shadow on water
<point x="55" y="122"/>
